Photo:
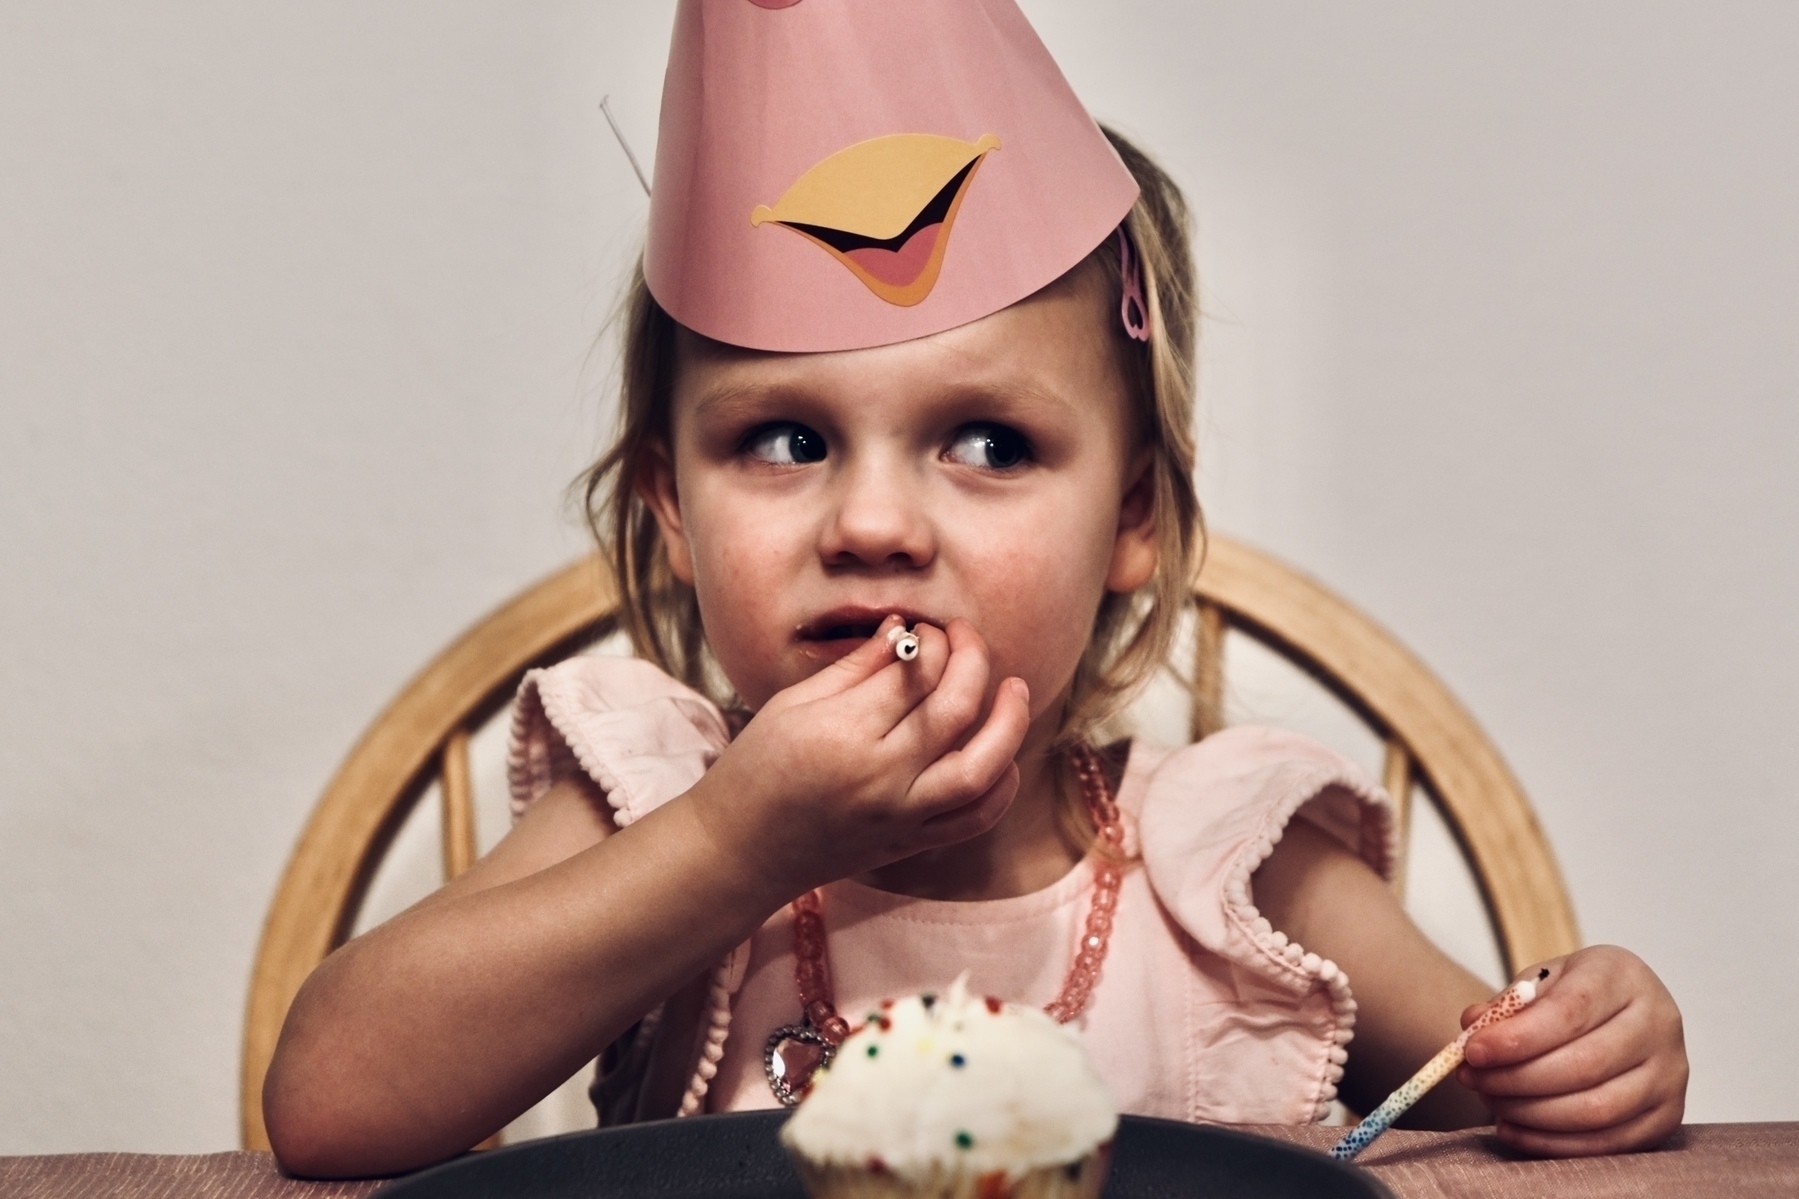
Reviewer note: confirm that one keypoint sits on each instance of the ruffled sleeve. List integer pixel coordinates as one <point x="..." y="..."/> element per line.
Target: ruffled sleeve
<point x="1211" y="815"/>
<point x="642" y="737"/>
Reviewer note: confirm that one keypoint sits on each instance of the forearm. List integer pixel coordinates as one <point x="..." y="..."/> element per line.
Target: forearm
<point x="425" y="1035"/>
<point x="1410" y="998"/>
<point x="1409" y="994"/>
<point x="1412" y="1014"/>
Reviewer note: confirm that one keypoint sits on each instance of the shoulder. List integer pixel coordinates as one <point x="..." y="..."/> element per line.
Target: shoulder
<point x="594" y="685"/>
<point x="1208" y="816"/>
<point x="1212" y="813"/>
<point x="1242" y="785"/>
<point x="640" y="736"/>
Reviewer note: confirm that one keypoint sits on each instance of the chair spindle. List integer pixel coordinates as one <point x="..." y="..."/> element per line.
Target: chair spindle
<point x="1396" y="777"/>
<point x="1208" y="670"/>
<point x="458" y="792"/>
<point x="458" y="805"/>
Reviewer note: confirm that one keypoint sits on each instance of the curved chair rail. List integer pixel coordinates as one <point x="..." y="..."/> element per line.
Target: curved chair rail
<point x="424" y="734"/>
<point x="1423" y="722"/>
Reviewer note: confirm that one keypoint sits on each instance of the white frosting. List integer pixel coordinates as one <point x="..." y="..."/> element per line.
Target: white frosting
<point x="949" y="1083"/>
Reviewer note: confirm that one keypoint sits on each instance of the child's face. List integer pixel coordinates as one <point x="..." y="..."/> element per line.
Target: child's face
<point x="987" y="472"/>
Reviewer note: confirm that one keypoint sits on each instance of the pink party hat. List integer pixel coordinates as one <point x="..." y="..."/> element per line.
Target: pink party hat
<point x="834" y="174"/>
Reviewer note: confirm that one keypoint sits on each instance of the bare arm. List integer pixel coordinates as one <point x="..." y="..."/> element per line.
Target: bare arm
<point x="1597" y="1064"/>
<point x="1408" y="993"/>
<point x="423" y="1036"/>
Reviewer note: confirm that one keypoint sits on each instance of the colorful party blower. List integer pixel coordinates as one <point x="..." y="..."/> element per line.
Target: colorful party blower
<point x="834" y="174"/>
<point x="1510" y="1002"/>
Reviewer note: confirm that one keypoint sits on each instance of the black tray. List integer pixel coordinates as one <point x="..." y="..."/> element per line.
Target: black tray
<point x="738" y="1157"/>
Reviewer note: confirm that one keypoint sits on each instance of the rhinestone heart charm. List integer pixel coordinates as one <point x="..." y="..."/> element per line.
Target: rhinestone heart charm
<point x="792" y="1055"/>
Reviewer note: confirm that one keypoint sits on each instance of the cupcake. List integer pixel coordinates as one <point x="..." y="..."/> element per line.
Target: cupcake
<point x="954" y="1096"/>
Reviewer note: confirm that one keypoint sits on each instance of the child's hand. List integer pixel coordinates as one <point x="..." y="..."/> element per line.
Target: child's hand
<point x="1597" y="1064"/>
<point x="869" y="761"/>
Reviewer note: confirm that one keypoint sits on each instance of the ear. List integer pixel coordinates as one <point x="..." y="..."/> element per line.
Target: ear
<point x="656" y="488"/>
<point x="1134" y="550"/>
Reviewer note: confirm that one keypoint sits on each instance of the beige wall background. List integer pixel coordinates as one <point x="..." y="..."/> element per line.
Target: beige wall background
<point x="298" y="309"/>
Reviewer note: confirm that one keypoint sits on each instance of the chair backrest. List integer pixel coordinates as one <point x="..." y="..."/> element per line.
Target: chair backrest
<point x="1432" y="746"/>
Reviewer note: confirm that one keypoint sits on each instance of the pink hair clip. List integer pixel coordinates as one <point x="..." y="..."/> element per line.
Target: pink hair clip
<point x="1131" y="308"/>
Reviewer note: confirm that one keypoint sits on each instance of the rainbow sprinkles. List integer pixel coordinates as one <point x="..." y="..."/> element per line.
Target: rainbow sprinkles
<point x="1511" y="1001"/>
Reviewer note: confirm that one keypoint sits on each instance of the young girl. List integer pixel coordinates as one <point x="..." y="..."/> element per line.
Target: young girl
<point x="839" y="427"/>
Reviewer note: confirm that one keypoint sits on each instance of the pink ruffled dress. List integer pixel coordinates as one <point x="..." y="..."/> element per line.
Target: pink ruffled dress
<point x="1202" y="1012"/>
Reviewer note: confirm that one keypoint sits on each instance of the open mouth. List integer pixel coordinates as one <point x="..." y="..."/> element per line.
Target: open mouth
<point x="857" y="631"/>
<point x="833" y="634"/>
<point x="884" y="208"/>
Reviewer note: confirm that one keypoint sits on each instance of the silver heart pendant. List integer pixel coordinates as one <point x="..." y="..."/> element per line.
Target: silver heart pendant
<point x="791" y="1056"/>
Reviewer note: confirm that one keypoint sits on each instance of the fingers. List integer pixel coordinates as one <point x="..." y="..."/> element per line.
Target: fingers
<point x="1644" y="1131"/>
<point x="971" y="772"/>
<point x="885" y="687"/>
<point x="1570" y="1003"/>
<point x="1585" y="1061"/>
<point x="1596" y="1065"/>
<point x="932" y="700"/>
<point x="929" y="722"/>
<point x="954" y="703"/>
<point x="1541" y="973"/>
<point x="973" y="819"/>
<point x="856" y="666"/>
<point x="1613" y="1100"/>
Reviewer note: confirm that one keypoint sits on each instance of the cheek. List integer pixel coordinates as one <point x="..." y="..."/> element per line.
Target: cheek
<point x="743" y="569"/>
<point x="1040" y="582"/>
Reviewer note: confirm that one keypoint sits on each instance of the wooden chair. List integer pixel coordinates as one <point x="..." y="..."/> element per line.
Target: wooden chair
<point x="1431" y="744"/>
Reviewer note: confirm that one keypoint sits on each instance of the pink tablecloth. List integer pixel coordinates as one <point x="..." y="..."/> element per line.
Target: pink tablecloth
<point x="1718" y="1161"/>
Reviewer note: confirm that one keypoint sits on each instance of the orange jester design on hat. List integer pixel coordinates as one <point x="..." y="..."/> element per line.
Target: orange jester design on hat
<point x="833" y="174"/>
<point x="885" y="208"/>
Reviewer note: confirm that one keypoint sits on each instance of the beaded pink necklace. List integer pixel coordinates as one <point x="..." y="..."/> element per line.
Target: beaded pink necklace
<point x="795" y="1052"/>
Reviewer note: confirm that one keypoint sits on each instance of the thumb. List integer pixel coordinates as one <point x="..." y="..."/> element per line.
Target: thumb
<point x="1542" y="975"/>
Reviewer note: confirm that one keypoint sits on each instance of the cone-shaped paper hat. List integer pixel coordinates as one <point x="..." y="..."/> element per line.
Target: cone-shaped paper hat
<point x="835" y="174"/>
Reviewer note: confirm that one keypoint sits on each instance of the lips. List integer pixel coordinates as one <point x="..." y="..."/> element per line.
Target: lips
<point x="884" y="208"/>
<point x="850" y="626"/>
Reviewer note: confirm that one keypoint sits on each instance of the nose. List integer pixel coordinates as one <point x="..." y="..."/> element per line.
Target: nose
<point x="879" y="519"/>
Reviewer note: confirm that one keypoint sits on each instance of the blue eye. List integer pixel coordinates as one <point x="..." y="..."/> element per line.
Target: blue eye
<point x="785" y="445"/>
<point x="991" y="447"/>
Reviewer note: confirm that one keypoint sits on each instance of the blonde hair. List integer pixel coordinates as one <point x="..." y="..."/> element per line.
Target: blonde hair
<point x="1132" y="634"/>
